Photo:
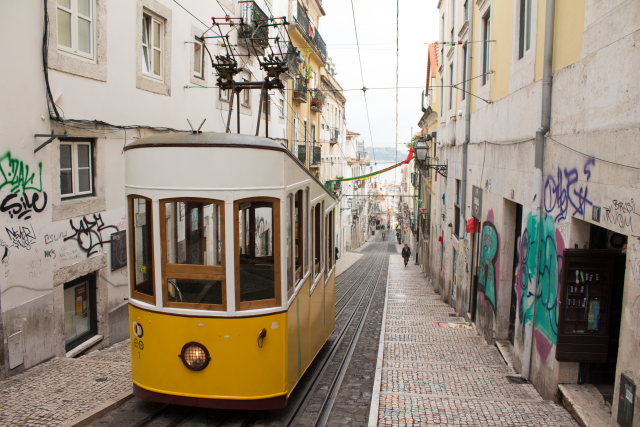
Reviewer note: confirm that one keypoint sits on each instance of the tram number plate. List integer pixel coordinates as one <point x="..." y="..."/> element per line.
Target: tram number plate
<point x="139" y="345"/>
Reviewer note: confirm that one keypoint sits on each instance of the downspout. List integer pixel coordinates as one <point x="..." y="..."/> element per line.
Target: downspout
<point x="467" y="129"/>
<point x="536" y="203"/>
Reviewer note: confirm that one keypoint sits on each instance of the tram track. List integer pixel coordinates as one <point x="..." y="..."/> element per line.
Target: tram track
<point x="331" y="363"/>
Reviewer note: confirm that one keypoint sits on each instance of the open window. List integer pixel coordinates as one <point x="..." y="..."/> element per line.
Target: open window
<point x="193" y="267"/>
<point x="141" y="249"/>
<point x="257" y="253"/>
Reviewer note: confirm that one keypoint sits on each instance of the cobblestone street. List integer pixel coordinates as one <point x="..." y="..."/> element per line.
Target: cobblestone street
<point x="58" y="391"/>
<point x="432" y="374"/>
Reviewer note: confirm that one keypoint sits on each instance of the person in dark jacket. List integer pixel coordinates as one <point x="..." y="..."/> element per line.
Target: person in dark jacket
<point x="406" y="253"/>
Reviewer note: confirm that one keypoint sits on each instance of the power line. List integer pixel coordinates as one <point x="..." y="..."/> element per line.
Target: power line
<point x="395" y="172"/>
<point x="364" y="89"/>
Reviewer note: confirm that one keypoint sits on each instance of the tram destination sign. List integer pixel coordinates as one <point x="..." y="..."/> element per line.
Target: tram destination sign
<point x="476" y="209"/>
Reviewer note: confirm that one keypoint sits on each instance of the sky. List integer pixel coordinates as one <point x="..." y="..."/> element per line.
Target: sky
<point x="376" y="25"/>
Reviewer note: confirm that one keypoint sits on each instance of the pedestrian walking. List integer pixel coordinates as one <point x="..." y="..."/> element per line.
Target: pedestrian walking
<point x="406" y="253"/>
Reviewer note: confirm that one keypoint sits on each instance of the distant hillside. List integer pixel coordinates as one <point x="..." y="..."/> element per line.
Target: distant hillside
<point x="387" y="154"/>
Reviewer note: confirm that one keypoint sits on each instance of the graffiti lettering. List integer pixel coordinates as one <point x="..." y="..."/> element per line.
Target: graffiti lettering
<point x="559" y="194"/>
<point x="488" y="259"/>
<point x="5" y="253"/>
<point x="22" y="237"/>
<point x="50" y="238"/>
<point x="88" y="234"/>
<point x="621" y="213"/>
<point x="25" y="192"/>
<point x="50" y="254"/>
<point x="34" y="264"/>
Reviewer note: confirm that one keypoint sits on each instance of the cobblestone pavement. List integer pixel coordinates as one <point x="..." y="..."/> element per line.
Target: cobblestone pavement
<point x="431" y="374"/>
<point x="62" y="389"/>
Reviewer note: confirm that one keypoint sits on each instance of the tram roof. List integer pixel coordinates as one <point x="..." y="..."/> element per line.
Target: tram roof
<point x="206" y="139"/>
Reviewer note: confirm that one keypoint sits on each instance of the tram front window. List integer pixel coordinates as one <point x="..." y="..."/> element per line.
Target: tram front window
<point x="257" y="230"/>
<point x="193" y="254"/>
<point x="141" y="240"/>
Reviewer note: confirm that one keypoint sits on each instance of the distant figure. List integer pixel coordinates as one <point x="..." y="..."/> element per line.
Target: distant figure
<point x="406" y="253"/>
<point x="383" y="235"/>
<point x="337" y="253"/>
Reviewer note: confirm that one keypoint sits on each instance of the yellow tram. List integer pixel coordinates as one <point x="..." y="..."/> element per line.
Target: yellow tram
<point x="231" y="258"/>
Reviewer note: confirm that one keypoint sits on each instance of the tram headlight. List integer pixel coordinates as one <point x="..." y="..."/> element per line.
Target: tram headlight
<point x="195" y="356"/>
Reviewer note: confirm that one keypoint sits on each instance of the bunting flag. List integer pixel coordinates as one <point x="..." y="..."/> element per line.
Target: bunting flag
<point x="356" y="178"/>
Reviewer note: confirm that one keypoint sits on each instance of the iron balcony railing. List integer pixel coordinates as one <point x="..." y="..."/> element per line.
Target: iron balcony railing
<point x="334" y="135"/>
<point x="300" y="91"/>
<point x="316" y="155"/>
<point x="310" y="32"/>
<point x="254" y="24"/>
<point x="302" y="153"/>
<point x="292" y="58"/>
<point x="316" y="99"/>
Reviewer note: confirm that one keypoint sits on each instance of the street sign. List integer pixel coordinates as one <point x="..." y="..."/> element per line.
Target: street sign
<point x="476" y="210"/>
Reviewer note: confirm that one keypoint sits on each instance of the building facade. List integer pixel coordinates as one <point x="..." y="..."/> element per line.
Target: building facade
<point x="534" y="220"/>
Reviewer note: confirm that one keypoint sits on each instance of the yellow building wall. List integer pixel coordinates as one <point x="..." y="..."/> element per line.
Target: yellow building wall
<point x="238" y="368"/>
<point x="501" y="30"/>
<point x="567" y="37"/>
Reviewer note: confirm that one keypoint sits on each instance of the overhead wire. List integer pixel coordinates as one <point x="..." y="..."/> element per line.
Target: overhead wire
<point x="395" y="172"/>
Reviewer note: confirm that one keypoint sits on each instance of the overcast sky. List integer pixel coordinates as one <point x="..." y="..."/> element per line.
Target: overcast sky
<point x="376" y="24"/>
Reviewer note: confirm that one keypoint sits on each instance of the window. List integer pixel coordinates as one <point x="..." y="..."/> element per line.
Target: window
<point x="453" y="20"/>
<point x="441" y="98"/>
<point x="464" y="71"/>
<point x="281" y="109"/>
<point x="466" y="10"/>
<point x="141" y="249"/>
<point x="451" y="86"/>
<point x="458" y="203"/>
<point x="76" y="175"/>
<point x="193" y="272"/>
<point x="442" y="32"/>
<point x="246" y="94"/>
<point x="80" y="320"/>
<point x="299" y="226"/>
<point x="313" y="132"/>
<point x="257" y="257"/>
<point x="290" y="246"/>
<point x="455" y="269"/>
<point x="223" y="94"/>
<point x="317" y="225"/>
<point x="152" y="46"/>
<point x="525" y="27"/>
<point x="198" y="58"/>
<point x="306" y="135"/>
<point x="330" y="243"/>
<point x="486" y="54"/>
<point x="75" y="26"/>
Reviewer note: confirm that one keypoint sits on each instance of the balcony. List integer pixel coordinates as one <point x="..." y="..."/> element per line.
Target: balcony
<point x="335" y="134"/>
<point x="302" y="153"/>
<point x="300" y="91"/>
<point x="253" y="33"/>
<point x="292" y="58"/>
<point x="316" y="155"/>
<point x="308" y="30"/>
<point x="317" y="100"/>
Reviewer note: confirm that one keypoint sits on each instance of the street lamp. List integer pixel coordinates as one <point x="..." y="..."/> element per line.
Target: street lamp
<point x="422" y="151"/>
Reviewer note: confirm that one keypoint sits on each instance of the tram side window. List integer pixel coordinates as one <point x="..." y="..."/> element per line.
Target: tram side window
<point x="317" y="222"/>
<point x="329" y="239"/>
<point x="299" y="215"/>
<point x="193" y="236"/>
<point x="257" y="274"/>
<point x="141" y="241"/>
<point x="289" y="231"/>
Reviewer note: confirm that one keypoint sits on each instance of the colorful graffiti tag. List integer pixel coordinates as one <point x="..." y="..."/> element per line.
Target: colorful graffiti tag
<point x="489" y="260"/>
<point x="546" y="298"/>
<point x="563" y="191"/>
<point x="25" y="188"/>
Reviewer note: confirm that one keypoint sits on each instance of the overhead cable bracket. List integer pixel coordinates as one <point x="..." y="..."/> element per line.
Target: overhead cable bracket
<point x="51" y="137"/>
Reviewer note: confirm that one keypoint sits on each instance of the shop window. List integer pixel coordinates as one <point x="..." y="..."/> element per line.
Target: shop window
<point x="141" y="249"/>
<point x="192" y="236"/>
<point x="79" y="311"/>
<point x="76" y="169"/>
<point x="257" y="237"/>
<point x="299" y="216"/>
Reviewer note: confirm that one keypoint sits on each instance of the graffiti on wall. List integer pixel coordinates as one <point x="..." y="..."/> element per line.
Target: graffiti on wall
<point x="21" y="237"/>
<point x="546" y="297"/>
<point x="25" y="188"/>
<point x="621" y="213"/>
<point x="88" y="234"/>
<point x="564" y="191"/>
<point x="489" y="260"/>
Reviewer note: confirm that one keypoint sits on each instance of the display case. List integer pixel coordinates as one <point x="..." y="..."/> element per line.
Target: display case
<point x="584" y="305"/>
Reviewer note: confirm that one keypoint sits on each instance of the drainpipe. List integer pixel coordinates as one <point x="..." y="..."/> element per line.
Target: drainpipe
<point x="536" y="203"/>
<point x="467" y="127"/>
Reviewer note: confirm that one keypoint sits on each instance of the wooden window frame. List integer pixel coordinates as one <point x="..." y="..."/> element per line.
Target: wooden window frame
<point x="317" y="240"/>
<point x="300" y="271"/>
<point x="291" y="252"/>
<point x="277" y="278"/>
<point x="149" y="299"/>
<point x="192" y="271"/>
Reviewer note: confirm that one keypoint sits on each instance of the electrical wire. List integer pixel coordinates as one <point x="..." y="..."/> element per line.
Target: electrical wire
<point x="51" y="105"/>
<point x="364" y="89"/>
<point x="590" y="156"/>
<point x="395" y="172"/>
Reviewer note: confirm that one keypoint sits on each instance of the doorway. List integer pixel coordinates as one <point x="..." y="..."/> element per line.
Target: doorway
<point x="514" y="296"/>
<point x="603" y="375"/>
<point x="475" y="257"/>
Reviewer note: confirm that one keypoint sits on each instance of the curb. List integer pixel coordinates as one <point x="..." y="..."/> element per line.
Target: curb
<point x="99" y="411"/>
